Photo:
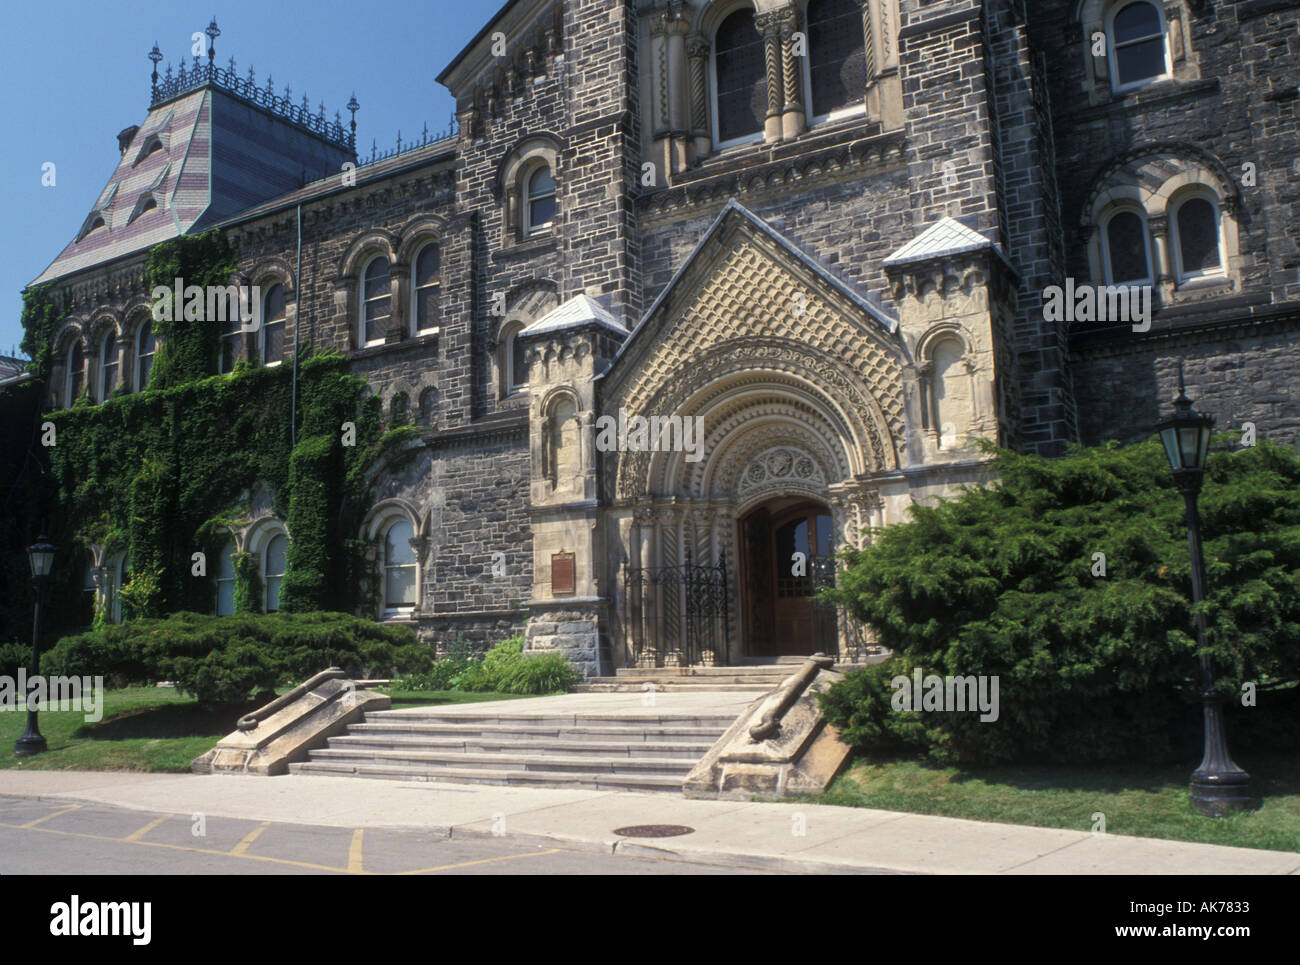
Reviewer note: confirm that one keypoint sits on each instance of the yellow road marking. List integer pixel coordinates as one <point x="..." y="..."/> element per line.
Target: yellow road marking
<point x="54" y="814"/>
<point x="249" y="838"/>
<point x="180" y="847"/>
<point x="137" y="835"/>
<point x="466" y="864"/>
<point x="354" y="852"/>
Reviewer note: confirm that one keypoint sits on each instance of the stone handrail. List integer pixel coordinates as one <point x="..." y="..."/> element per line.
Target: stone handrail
<point x="250" y="721"/>
<point x="787" y="695"/>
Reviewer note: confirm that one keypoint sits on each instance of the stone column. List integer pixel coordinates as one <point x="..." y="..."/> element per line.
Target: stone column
<point x="884" y="93"/>
<point x="1163" y="268"/>
<point x="399" y="322"/>
<point x="793" y="118"/>
<point x="769" y="26"/>
<point x="697" y="50"/>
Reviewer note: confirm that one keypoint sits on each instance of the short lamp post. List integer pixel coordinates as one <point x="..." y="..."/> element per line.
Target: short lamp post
<point x="41" y="557"/>
<point x="1218" y="785"/>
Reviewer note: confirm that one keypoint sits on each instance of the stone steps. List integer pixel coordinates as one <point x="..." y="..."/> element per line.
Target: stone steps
<point x="642" y="751"/>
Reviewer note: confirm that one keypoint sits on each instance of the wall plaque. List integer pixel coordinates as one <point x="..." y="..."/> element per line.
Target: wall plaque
<point x="562" y="574"/>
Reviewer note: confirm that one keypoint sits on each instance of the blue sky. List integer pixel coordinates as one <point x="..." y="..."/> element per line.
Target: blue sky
<point x="78" y="73"/>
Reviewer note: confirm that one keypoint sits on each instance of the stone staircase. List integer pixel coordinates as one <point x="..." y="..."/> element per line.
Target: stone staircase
<point x="755" y="677"/>
<point x="644" y="752"/>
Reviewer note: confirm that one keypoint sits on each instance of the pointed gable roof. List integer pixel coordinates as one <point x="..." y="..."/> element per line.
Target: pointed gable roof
<point x="942" y="239"/>
<point x="732" y="211"/>
<point x="576" y="312"/>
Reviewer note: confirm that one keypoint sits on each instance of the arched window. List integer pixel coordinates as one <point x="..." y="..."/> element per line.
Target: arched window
<point x="376" y="302"/>
<point x="539" y="201"/>
<point x="274" y="564"/>
<point x="273" y="325"/>
<point x="108" y="365"/>
<point x="232" y="343"/>
<point x="424" y="290"/>
<point x="226" y="579"/>
<point x="399" y="567"/>
<point x="739" y="80"/>
<point x="518" y="362"/>
<point x="1127" y="249"/>
<point x="145" y="346"/>
<point x="1137" y="45"/>
<point x="837" y="59"/>
<point x="76" y="372"/>
<point x="1196" y="236"/>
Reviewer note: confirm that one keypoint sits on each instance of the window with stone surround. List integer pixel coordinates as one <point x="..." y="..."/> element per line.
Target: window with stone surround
<point x="425" y="287"/>
<point x="1138" y="53"/>
<point x="836" y="65"/>
<point x="275" y="557"/>
<point x="539" y="201"/>
<point x="76" y="377"/>
<point x="1127" y="249"/>
<point x="376" y="302"/>
<point x="272" y="332"/>
<point x="109" y="359"/>
<point x="225" y="579"/>
<point x="232" y="344"/>
<point x="739" y="89"/>
<point x="146" y="344"/>
<point x="400" y="569"/>
<point x="1196" y="234"/>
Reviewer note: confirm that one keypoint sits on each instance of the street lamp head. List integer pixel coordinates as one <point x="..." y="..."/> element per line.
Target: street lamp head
<point x="41" y="556"/>
<point x="1186" y="436"/>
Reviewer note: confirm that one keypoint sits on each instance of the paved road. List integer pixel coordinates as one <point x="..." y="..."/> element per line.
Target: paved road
<point x="50" y="837"/>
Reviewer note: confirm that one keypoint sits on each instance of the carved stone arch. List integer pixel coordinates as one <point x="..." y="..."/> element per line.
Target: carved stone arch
<point x="417" y="232"/>
<point x="363" y="249"/>
<point x="72" y="328"/>
<point x="271" y="271"/>
<point x="1148" y="176"/>
<point x="709" y="16"/>
<point x="100" y="322"/>
<point x="936" y="333"/>
<point x="259" y="533"/>
<point x="539" y="146"/>
<point x="762" y="361"/>
<point x="386" y="509"/>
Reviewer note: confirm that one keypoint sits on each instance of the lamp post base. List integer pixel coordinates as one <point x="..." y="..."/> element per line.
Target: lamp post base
<point x="29" y="744"/>
<point x="1215" y="795"/>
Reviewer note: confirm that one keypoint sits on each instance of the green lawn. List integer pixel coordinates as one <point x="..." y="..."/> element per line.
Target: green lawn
<point x="1144" y="801"/>
<point x="154" y="729"/>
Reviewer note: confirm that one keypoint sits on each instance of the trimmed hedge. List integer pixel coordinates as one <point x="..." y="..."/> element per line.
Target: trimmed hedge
<point x="505" y="669"/>
<point x="226" y="659"/>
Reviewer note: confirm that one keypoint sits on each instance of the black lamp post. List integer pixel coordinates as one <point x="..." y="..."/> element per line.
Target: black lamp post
<point x="1218" y="785"/>
<point x="41" y="557"/>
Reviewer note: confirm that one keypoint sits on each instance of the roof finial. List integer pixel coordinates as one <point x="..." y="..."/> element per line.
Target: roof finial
<point x="156" y="56"/>
<point x="213" y="33"/>
<point x="353" y="106"/>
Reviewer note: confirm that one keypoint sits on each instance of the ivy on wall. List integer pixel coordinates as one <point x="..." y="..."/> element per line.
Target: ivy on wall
<point x="190" y="345"/>
<point x="164" y="473"/>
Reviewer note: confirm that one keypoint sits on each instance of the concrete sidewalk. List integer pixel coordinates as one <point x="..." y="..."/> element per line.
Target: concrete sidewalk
<point x="773" y="837"/>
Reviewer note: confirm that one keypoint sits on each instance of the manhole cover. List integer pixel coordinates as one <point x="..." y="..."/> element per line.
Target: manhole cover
<point x="653" y="830"/>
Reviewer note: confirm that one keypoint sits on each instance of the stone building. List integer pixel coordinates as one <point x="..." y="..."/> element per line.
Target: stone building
<point x="811" y="242"/>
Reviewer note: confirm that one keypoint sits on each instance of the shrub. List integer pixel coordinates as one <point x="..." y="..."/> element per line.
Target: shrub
<point x="13" y="656"/>
<point x="225" y="659"/>
<point x="999" y="582"/>
<point x="507" y="669"/>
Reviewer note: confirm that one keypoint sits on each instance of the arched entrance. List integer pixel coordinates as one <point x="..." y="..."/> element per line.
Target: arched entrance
<point x="786" y="548"/>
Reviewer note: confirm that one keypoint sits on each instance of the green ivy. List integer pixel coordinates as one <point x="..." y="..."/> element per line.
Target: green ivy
<point x="248" y="584"/>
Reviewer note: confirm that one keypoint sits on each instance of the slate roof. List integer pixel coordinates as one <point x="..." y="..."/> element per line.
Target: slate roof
<point x="579" y="310"/>
<point x="942" y="239"/>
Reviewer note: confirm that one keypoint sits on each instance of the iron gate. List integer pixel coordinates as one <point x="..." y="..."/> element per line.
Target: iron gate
<point x="677" y="615"/>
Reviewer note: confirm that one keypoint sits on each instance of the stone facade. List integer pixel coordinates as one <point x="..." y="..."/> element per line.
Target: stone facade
<point x="845" y="299"/>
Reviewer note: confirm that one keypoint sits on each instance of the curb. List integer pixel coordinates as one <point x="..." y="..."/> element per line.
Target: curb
<point x="773" y="864"/>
